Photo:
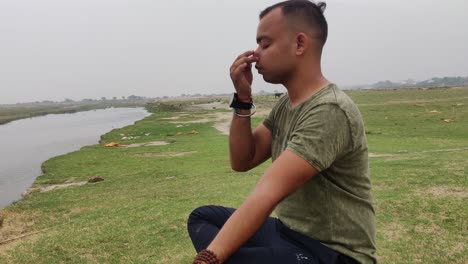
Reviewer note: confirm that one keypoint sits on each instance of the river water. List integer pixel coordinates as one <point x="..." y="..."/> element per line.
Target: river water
<point x="25" y="144"/>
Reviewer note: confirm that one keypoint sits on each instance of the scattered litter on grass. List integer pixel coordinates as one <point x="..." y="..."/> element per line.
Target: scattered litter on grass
<point x="435" y="112"/>
<point x="448" y="120"/>
<point x="170" y="178"/>
<point x="112" y="144"/>
<point x="170" y="118"/>
<point x="130" y="137"/>
<point x="176" y="154"/>
<point x="193" y="132"/>
<point x="95" y="179"/>
<point x="145" y="144"/>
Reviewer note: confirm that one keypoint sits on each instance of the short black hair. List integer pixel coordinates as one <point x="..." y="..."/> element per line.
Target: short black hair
<point x="309" y="12"/>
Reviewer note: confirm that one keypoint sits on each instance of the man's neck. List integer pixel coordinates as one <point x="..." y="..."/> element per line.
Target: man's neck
<point x="302" y="88"/>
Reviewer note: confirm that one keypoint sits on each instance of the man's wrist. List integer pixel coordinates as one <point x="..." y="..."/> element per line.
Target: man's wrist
<point x="242" y="112"/>
<point x="245" y="98"/>
<point x="236" y="103"/>
<point x="206" y="256"/>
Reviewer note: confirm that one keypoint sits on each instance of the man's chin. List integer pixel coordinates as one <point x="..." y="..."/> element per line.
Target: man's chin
<point x="268" y="79"/>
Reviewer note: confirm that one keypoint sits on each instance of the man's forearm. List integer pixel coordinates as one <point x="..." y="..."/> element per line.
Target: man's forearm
<point x="241" y="142"/>
<point x="241" y="226"/>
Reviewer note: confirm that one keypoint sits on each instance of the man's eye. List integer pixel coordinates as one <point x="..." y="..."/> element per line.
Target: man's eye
<point x="266" y="46"/>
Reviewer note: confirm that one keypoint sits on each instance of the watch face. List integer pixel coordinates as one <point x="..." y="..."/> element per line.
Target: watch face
<point x="231" y="100"/>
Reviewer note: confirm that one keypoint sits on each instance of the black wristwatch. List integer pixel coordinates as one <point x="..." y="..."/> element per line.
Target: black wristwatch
<point x="235" y="103"/>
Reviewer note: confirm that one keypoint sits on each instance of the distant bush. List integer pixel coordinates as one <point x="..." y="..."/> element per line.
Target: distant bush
<point x="164" y="107"/>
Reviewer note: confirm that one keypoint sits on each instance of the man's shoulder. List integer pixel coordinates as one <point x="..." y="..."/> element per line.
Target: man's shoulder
<point x="283" y="100"/>
<point x="281" y="104"/>
<point x="331" y="94"/>
<point x="328" y="99"/>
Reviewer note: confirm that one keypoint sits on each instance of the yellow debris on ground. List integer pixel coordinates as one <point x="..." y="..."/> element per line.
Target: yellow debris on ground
<point x="112" y="144"/>
<point x="193" y="132"/>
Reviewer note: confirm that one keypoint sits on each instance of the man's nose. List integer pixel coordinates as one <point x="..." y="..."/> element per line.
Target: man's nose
<point x="257" y="52"/>
<point x="256" y="56"/>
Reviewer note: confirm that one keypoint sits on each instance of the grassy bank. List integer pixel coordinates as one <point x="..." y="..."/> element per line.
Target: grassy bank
<point x="419" y="151"/>
<point x="10" y="113"/>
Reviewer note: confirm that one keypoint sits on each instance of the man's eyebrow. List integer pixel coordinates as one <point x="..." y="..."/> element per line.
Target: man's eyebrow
<point x="262" y="37"/>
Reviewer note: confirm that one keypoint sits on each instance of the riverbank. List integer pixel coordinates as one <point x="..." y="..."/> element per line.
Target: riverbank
<point x="10" y="113"/>
<point x="27" y="143"/>
<point x="138" y="214"/>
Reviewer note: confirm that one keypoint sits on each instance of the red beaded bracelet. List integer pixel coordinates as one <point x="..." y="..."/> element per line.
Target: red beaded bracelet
<point x="207" y="257"/>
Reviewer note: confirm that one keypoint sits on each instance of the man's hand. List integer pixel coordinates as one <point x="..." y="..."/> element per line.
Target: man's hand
<point x="241" y="74"/>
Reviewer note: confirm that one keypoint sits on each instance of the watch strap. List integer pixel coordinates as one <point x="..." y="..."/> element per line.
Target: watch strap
<point x="238" y="104"/>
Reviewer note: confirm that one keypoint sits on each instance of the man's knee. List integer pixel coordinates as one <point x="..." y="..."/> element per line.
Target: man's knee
<point x="213" y="214"/>
<point x="198" y="214"/>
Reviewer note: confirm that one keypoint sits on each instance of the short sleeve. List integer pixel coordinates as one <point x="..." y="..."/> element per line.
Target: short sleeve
<point x="321" y="136"/>
<point x="269" y="120"/>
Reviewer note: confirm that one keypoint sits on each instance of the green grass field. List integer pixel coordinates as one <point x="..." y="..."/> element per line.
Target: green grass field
<point x="418" y="143"/>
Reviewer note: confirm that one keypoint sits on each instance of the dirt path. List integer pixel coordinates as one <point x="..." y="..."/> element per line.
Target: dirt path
<point x="223" y="124"/>
<point x="222" y="120"/>
<point x="381" y="155"/>
<point x="417" y="102"/>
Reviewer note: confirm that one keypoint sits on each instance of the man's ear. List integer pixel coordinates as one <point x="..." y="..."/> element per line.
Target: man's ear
<point x="302" y="43"/>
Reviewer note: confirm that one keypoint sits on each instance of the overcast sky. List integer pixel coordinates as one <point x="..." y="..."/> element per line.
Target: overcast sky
<point x="57" y="49"/>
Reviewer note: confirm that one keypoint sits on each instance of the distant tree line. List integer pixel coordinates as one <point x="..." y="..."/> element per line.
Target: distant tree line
<point x="130" y="98"/>
<point x="445" y="81"/>
<point x="433" y="82"/>
<point x="123" y="98"/>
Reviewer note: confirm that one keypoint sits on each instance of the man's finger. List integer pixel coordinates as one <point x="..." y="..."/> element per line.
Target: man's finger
<point x="238" y="62"/>
<point x="245" y="54"/>
<point x="238" y="71"/>
<point x="242" y="60"/>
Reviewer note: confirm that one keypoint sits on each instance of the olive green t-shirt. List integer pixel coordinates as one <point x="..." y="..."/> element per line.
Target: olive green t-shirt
<point x="335" y="206"/>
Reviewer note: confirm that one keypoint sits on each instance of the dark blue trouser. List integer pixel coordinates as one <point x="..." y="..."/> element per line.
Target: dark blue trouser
<point x="272" y="243"/>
